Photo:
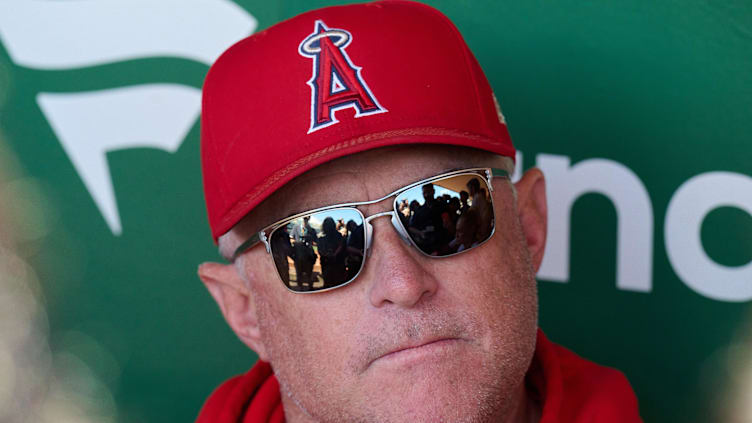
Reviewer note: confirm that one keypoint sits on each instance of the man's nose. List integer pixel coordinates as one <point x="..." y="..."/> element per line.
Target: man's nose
<point x="397" y="275"/>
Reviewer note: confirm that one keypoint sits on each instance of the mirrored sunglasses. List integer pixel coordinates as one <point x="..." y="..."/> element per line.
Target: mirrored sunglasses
<point x="326" y="248"/>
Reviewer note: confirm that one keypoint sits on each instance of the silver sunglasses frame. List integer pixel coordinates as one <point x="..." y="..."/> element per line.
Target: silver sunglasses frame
<point x="261" y="236"/>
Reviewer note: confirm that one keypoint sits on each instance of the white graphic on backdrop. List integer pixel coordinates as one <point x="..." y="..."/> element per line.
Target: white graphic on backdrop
<point x="64" y="35"/>
<point x="686" y="212"/>
<point x="44" y="34"/>
<point x="634" y="215"/>
<point x="85" y="123"/>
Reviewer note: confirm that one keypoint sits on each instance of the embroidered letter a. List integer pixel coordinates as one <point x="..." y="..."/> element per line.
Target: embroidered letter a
<point x="336" y="82"/>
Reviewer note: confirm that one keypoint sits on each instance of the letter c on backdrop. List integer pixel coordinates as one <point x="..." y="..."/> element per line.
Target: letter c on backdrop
<point x="686" y="211"/>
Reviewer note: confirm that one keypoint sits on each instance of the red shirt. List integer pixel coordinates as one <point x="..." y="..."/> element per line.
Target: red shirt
<point x="569" y="388"/>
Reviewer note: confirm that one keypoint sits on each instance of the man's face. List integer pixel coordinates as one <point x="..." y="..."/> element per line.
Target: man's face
<point x="428" y="193"/>
<point x="413" y="337"/>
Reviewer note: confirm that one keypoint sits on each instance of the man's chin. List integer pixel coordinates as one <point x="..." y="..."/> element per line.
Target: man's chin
<point x="437" y="401"/>
<point x="432" y="384"/>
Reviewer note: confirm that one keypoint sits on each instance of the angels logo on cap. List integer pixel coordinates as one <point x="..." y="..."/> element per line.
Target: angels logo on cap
<point x="336" y="82"/>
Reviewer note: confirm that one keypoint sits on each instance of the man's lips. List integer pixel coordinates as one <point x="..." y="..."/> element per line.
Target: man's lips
<point x="415" y="349"/>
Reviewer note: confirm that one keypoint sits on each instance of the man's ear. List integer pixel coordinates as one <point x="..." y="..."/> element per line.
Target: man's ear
<point x="234" y="299"/>
<point x="533" y="213"/>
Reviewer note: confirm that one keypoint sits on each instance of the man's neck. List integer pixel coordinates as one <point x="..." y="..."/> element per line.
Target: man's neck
<point x="526" y="408"/>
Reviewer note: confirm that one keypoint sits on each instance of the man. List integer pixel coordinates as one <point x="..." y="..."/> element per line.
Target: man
<point x="481" y="207"/>
<point x="304" y="256"/>
<point x="464" y="197"/>
<point x="345" y="113"/>
<point x="466" y="231"/>
<point x="426" y="225"/>
<point x="355" y="248"/>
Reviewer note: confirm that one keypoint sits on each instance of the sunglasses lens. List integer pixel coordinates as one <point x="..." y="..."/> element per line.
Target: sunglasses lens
<point x="448" y="215"/>
<point x="320" y="250"/>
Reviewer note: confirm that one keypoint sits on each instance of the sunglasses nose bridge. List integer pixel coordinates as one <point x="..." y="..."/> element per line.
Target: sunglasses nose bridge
<point x="395" y="222"/>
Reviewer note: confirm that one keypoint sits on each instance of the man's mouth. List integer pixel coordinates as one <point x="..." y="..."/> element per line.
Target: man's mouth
<point x="413" y="351"/>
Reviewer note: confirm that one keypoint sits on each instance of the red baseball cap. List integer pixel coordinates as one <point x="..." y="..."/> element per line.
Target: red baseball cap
<point x="333" y="82"/>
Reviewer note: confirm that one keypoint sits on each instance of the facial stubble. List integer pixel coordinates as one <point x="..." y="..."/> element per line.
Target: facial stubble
<point x="299" y="369"/>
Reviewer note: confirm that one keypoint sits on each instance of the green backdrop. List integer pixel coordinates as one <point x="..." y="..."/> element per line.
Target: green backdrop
<point x="633" y="109"/>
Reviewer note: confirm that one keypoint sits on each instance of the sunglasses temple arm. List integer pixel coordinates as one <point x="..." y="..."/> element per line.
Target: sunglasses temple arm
<point x="496" y="173"/>
<point x="252" y="241"/>
<point x="499" y="173"/>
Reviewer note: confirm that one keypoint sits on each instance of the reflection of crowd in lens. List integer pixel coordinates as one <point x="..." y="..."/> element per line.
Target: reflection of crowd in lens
<point x="309" y="257"/>
<point x="448" y="224"/>
<point x="319" y="258"/>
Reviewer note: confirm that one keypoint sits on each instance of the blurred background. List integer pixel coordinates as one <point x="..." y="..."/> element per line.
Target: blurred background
<point x="639" y="113"/>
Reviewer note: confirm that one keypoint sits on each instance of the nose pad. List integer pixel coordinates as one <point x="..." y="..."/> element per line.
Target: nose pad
<point x="369" y="237"/>
<point x="400" y="229"/>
